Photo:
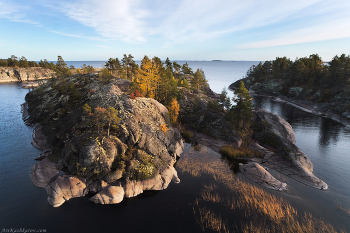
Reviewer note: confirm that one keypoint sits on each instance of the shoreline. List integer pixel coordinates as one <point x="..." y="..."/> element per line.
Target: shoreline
<point x="313" y="109"/>
<point x="309" y="108"/>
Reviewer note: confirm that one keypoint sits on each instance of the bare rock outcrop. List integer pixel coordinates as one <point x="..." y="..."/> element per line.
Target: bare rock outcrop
<point x="132" y="188"/>
<point x="64" y="188"/>
<point x="287" y="158"/>
<point x="39" y="139"/>
<point x="110" y="195"/>
<point x="258" y="174"/>
<point x="24" y="74"/>
<point x="43" y="172"/>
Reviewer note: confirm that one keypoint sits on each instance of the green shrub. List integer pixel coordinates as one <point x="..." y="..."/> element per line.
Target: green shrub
<point x="234" y="153"/>
<point x="230" y="152"/>
<point x="188" y="136"/>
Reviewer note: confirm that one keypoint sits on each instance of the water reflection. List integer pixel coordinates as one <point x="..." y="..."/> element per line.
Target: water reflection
<point x="329" y="132"/>
<point x="293" y="115"/>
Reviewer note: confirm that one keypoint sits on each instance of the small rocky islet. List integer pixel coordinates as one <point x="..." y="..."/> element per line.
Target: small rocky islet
<point x="138" y="155"/>
<point x="139" y="151"/>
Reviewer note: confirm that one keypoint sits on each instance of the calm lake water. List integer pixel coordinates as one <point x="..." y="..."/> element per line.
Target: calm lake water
<point x="22" y="205"/>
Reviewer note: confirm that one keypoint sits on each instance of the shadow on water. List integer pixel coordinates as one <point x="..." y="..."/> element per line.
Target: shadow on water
<point x="329" y="132"/>
<point x="234" y="163"/>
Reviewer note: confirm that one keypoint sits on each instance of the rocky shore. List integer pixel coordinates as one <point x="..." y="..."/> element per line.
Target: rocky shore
<point x="11" y="74"/>
<point x="272" y="137"/>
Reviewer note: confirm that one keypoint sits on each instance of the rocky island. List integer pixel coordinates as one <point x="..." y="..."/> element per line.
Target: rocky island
<point x="137" y="155"/>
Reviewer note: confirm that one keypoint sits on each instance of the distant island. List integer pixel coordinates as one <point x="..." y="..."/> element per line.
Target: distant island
<point x="309" y="83"/>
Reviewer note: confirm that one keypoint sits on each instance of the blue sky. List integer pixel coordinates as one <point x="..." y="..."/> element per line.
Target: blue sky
<point x="178" y="29"/>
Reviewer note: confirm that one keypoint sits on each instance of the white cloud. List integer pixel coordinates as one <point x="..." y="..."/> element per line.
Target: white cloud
<point x="192" y="21"/>
<point x="79" y="36"/>
<point x="14" y="13"/>
<point x="334" y="25"/>
<point x="112" y="19"/>
<point x="178" y="21"/>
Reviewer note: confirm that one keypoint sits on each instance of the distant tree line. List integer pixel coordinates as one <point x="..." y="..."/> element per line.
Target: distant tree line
<point x="309" y="72"/>
<point x="61" y="68"/>
<point x="14" y="61"/>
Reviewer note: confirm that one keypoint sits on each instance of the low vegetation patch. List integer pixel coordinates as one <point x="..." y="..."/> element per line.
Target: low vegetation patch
<point x="235" y="152"/>
<point x="188" y="136"/>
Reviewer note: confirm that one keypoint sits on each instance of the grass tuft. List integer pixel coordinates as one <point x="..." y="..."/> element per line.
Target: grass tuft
<point x="235" y="152"/>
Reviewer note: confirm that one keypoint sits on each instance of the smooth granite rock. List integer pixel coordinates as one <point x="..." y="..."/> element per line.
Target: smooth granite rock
<point x="43" y="172"/>
<point x="109" y="195"/>
<point x="64" y="188"/>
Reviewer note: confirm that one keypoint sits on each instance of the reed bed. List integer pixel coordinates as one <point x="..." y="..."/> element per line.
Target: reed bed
<point x="257" y="210"/>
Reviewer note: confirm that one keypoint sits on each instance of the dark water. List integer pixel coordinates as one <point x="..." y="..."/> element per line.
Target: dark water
<point x="22" y="205"/>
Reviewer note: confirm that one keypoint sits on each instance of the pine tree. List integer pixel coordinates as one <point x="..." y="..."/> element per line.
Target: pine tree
<point x="198" y="80"/>
<point x="111" y="116"/>
<point x="98" y="116"/>
<point x="224" y="99"/>
<point x="242" y="111"/>
<point x="62" y="69"/>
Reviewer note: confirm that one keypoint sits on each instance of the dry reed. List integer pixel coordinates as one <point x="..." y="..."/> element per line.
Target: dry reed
<point x="263" y="212"/>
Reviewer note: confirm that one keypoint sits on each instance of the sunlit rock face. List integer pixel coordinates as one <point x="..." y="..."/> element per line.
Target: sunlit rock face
<point x="24" y="74"/>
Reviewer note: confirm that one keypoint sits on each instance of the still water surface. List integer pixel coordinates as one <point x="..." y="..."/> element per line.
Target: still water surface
<point x="22" y="205"/>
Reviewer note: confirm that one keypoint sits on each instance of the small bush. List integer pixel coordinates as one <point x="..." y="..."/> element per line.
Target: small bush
<point x="188" y="136"/>
<point x="132" y="96"/>
<point x="164" y="128"/>
<point x="230" y="152"/>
